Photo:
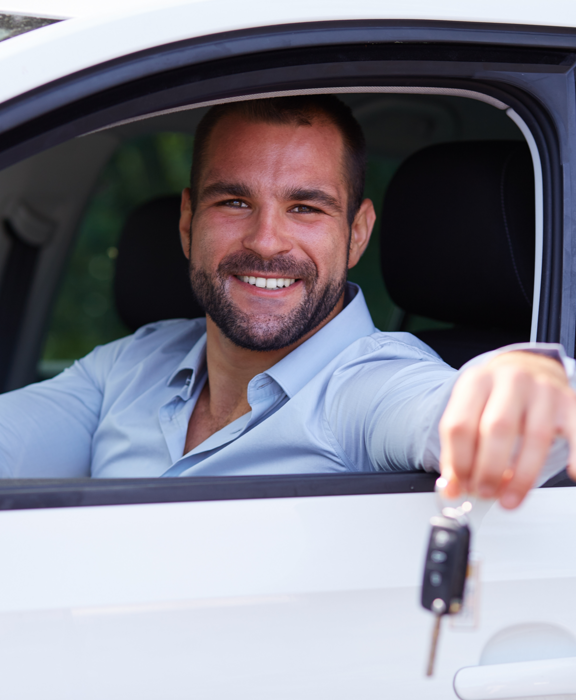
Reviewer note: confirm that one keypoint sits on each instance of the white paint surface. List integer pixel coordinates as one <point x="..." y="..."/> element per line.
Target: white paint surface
<point x="282" y="598"/>
<point x="529" y="679"/>
<point x="39" y="57"/>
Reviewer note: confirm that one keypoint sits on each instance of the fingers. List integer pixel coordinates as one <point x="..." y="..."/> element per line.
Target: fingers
<point x="539" y="431"/>
<point x="499" y="425"/>
<point x="567" y="428"/>
<point x="459" y="430"/>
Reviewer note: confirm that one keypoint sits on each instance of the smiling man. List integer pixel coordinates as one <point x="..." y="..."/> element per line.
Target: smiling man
<point x="287" y="374"/>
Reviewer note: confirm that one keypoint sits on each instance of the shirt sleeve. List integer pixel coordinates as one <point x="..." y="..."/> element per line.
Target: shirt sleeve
<point x="384" y="407"/>
<point x="385" y="410"/>
<point x="47" y="428"/>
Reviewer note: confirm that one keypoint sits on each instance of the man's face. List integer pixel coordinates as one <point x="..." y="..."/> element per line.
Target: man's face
<point x="270" y="240"/>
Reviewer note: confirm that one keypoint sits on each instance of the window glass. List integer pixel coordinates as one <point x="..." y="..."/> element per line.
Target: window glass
<point x="12" y="25"/>
<point x="84" y="315"/>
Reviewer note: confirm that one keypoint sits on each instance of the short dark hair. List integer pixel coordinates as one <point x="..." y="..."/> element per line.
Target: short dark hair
<point x="301" y="110"/>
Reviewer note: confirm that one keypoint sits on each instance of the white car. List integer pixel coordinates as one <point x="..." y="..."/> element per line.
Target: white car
<point x="291" y="587"/>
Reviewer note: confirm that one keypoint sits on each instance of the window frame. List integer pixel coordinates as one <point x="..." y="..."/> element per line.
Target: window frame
<point x="501" y="64"/>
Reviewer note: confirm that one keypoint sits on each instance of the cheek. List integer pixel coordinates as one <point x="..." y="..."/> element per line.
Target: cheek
<point x="329" y="253"/>
<point x="208" y="244"/>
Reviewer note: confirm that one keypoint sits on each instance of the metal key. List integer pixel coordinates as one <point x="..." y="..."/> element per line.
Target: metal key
<point x="445" y="570"/>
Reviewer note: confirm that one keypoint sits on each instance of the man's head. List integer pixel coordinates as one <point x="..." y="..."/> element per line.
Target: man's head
<point x="300" y="110"/>
<point x="276" y="194"/>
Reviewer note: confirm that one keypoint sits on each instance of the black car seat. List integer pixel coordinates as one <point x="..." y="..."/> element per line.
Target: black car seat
<point x="152" y="281"/>
<point x="458" y="242"/>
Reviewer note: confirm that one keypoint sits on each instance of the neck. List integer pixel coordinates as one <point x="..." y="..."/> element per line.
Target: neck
<point x="230" y="368"/>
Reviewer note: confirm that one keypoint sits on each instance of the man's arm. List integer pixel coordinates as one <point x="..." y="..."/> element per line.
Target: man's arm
<point x="500" y="423"/>
<point x="46" y="429"/>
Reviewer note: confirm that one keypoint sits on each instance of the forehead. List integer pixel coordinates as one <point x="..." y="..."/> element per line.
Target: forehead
<point x="262" y="152"/>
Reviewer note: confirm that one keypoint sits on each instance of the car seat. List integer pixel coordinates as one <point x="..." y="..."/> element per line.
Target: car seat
<point x="152" y="281"/>
<point x="457" y="244"/>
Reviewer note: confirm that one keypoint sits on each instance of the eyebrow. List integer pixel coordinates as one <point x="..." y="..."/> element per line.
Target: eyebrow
<point x="312" y="195"/>
<point x="226" y="189"/>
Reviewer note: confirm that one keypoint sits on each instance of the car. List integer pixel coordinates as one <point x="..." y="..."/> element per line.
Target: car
<point x="294" y="586"/>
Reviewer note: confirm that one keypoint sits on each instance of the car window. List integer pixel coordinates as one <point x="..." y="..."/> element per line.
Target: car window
<point x="84" y="314"/>
<point x="12" y="25"/>
<point x="150" y="165"/>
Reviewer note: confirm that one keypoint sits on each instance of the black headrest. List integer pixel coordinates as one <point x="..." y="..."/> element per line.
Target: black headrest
<point x="457" y="234"/>
<point x="152" y="281"/>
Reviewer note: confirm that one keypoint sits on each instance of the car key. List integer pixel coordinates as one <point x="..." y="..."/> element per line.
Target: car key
<point x="445" y="570"/>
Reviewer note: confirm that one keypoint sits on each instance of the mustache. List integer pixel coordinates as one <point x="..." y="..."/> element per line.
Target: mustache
<point x="243" y="262"/>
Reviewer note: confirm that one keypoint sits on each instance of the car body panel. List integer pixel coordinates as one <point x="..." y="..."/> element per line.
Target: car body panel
<point x="280" y="597"/>
<point x="47" y="54"/>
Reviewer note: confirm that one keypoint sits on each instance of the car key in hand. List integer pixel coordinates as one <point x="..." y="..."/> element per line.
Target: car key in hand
<point x="445" y="569"/>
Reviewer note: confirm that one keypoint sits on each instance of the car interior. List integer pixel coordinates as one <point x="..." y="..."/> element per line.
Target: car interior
<point x="90" y="251"/>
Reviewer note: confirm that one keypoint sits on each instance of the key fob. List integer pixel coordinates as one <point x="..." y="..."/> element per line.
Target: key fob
<point x="446" y="565"/>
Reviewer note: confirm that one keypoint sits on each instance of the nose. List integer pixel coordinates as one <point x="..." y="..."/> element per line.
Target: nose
<point x="268" y="235"/>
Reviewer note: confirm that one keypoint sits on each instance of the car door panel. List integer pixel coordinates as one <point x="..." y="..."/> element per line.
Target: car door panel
<point x="280" y="597"/>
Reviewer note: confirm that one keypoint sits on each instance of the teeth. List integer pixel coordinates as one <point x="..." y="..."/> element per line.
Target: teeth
<point x="267" y="282"/>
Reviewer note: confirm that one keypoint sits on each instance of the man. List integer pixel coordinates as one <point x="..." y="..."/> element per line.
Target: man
<point x="288" y="373"/>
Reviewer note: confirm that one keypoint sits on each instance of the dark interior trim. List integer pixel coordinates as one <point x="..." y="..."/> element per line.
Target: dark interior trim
<point x="26" y="494"/>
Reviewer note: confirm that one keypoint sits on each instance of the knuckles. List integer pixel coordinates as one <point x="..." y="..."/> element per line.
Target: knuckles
<point x="456" y="428"/>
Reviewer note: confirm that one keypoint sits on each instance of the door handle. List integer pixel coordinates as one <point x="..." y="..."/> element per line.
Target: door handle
<point x="544" y="678"/>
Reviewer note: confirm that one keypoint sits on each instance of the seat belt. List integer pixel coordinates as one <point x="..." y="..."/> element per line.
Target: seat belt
<point x="27" y="233"/>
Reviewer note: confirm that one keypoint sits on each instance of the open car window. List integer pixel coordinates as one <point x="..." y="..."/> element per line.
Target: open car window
<point x="76" y="269"/>
<point x="146" y="164"/>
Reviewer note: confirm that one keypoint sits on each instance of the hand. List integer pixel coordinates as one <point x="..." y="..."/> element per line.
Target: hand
<point x="500" y="423"/>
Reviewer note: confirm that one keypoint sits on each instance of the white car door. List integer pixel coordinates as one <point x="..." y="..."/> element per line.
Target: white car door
<point x="311" y="596"/>
<point x="291" y="590"/>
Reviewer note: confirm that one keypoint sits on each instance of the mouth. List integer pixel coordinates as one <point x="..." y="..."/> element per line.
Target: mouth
<point x="267" y="282"/>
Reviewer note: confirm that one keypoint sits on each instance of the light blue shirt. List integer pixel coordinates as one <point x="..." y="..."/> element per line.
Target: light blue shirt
<point x="349" y="399"/>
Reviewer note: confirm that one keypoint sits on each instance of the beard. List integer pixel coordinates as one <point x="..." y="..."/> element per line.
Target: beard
<point x="264" y="332"/>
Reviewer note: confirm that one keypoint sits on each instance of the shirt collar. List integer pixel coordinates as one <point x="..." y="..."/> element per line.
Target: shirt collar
<point x="298" y="367"/>
<point x="191" y="366"/>
<point x="301" y="365"/>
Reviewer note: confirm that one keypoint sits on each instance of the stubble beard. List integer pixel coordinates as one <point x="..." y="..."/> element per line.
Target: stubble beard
<point x="261" y="332"/>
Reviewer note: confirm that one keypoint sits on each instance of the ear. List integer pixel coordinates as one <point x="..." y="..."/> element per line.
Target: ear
<point x="361" y="230"/>
<point x="185" y="221"/>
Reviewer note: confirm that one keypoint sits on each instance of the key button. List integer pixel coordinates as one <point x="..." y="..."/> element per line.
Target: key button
<point x="438" y="557"/>
<point x="435" y="578"/>
<point x="441" y="538"/>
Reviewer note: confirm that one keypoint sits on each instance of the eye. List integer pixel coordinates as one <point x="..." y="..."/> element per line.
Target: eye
<point x="304" y="209"/>
<point x="234" y="203"/>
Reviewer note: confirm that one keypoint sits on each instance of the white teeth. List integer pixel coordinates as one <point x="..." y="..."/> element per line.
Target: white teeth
<point x="267" y="282"/>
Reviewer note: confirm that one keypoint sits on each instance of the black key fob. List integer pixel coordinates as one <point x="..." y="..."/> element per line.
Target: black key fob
<point x="446" y="565"/>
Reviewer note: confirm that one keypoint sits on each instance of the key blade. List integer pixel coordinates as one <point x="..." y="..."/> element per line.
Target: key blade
<point x="433" y="645"/>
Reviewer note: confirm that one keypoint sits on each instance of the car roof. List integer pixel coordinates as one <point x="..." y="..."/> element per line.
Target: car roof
<point x="93" y="36"/>
<point x="551" y="13"/>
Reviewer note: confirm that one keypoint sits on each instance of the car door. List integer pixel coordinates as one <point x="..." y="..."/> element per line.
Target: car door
<point x="284" y="596"/>
<point x="292" y="586"/>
